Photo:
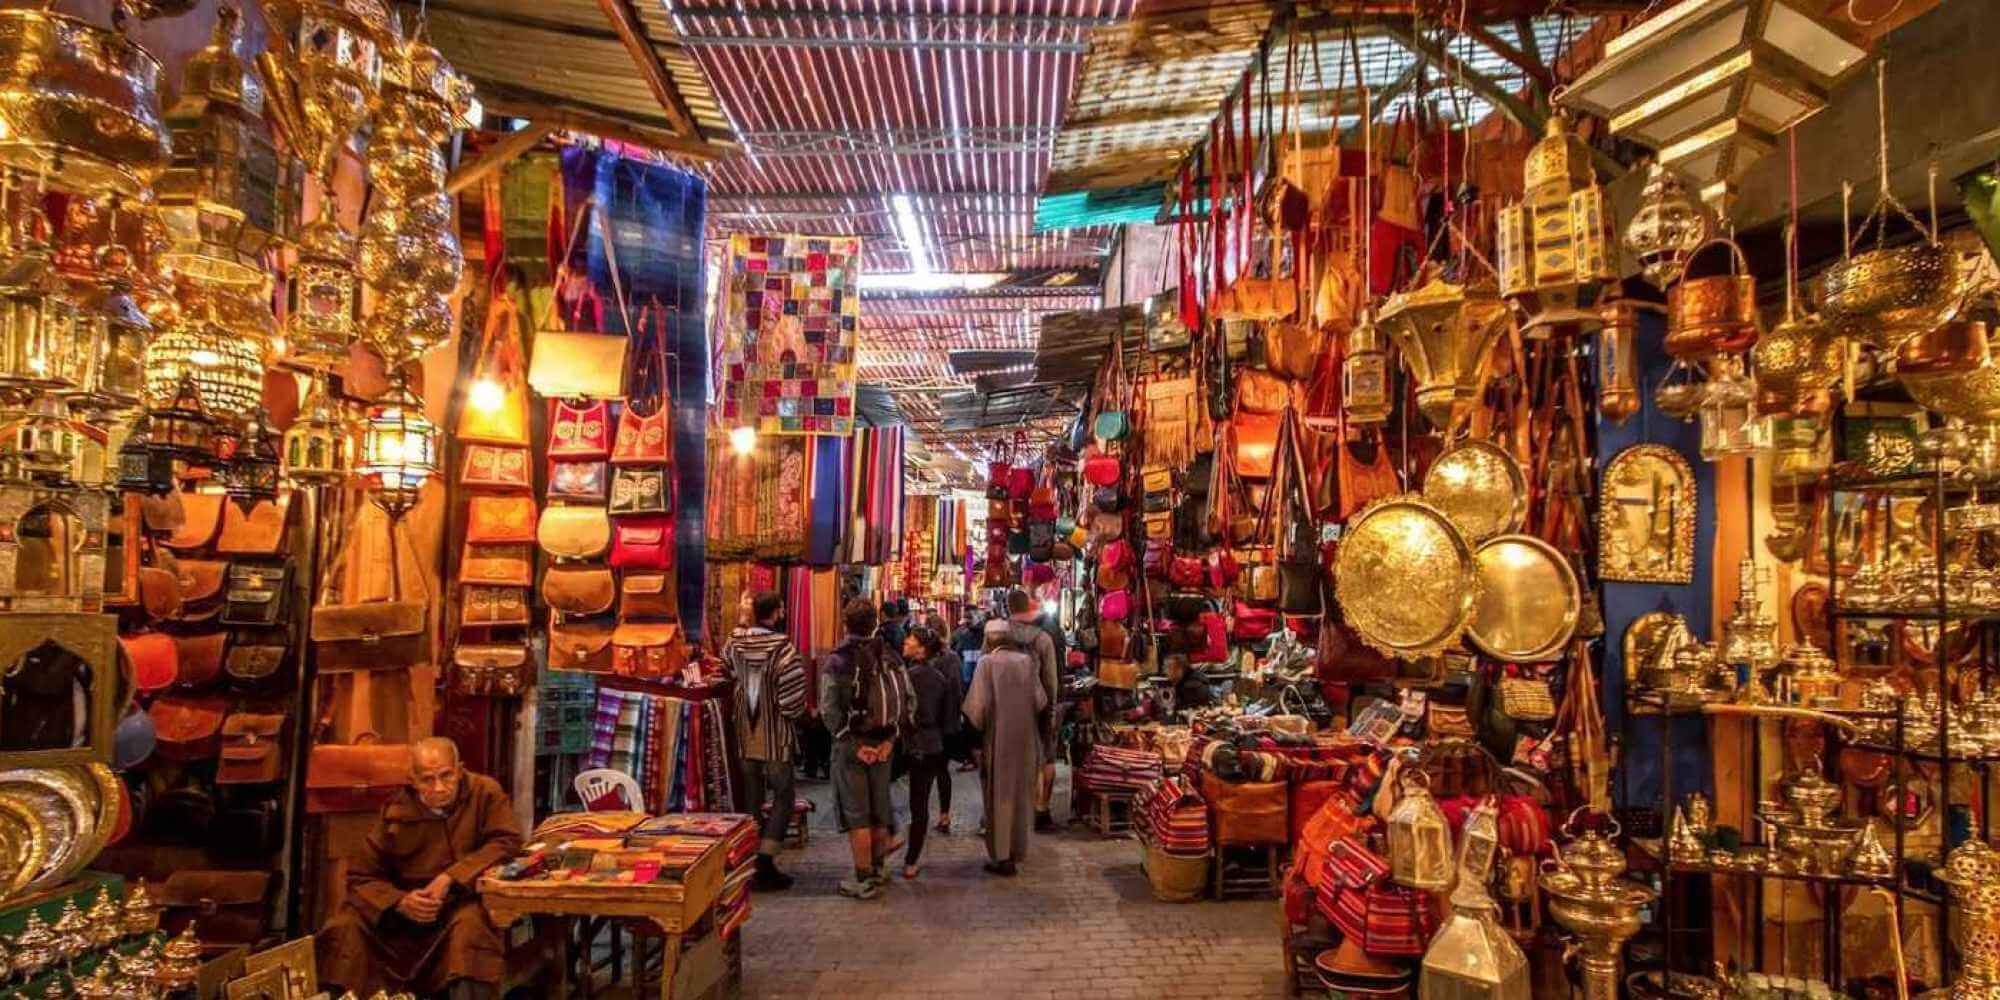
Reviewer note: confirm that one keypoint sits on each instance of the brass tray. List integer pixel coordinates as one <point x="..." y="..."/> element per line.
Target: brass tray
<point x="1529" y="601"/>
<point x="1406" y="578"/>
<point x="1481" y="487"/>
<point x="67" y="815"/>
<point x="23" y="847"/>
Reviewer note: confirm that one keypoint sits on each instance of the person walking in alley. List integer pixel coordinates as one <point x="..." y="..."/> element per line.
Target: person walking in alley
<point x="867" y="703"/>
<point x="1007" y="703"/>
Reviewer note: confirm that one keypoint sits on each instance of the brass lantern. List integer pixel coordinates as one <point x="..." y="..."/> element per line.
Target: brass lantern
<point x="398" y="448"/>
<point x="1365" y="383"/>
<point x="251" y="475"/>
<point x="229" y="195"/>
<point x="40" y="333"/>
<point x="1419" y="838"/>
<point x="180" y="427"/>
<point x="113" y="338"/>
<point x="142" y="468"/>
<point x="1472" y="957"/>
<point x="1667" y="228"/>
<point x="1556" y="249"/>
<point x="322" y="297"/>
<point x="1618" y="362"/>
<point x="321" y="95"/>
<point x="42" y="445"/>
<point x="318" y="447"/>
<point x="1443" y="330"/>
<point x="224" y="360"/>
<point x="1729" y="424"/>
<point x="1710" y="84"/>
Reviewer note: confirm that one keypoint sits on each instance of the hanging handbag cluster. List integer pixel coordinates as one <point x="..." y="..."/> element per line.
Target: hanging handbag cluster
<point x="489" y="650"/>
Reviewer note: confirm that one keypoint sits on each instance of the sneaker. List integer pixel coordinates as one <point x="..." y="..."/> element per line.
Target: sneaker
<point x="878" y="879"/>
<point x="864" y="889"/>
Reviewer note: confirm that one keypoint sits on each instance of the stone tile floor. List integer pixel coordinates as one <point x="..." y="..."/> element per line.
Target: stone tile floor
<point x="1079" y="921"/>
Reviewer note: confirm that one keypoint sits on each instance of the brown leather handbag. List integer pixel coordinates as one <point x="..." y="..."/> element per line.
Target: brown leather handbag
<point x="488" y="606"/>
<point x="257" y="594"/>
<point x="253" y="751"/>
<point x="580" y="645"/>
<point x="189" y="726"/>
<point x="1254" y="443"/>
<point x="579" y="590"/>
<point x="201" y="588"/>
<point x="1247" y="813"/>
<point x="388" y="634"/>
<point x="496" y="466"/>
<point x="253" y="661"/>
<point x="574" y="531"/>
<point x="200" y="658"/>
<point x="647" y="595"/>
<point x="160" y="586"/>
<point x="261" y="532"/>
<point x="508" y="565"/>
<point x="201" y="519"/>
<point x="1259" y="391"/>
<point x="491" y="669"/>
<point x="1292" y="348"/>
<point x="355" y="777"/>
<point x="231" y="907"/>
<point x="1365" y="475"/>
<point x="649" y="650"/>
<point x="500" y="519"/>
<point x="163" y="514"/>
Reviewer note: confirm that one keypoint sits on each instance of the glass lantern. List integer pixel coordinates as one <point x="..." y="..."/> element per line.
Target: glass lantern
<point x="40" y="332"/>
<point x="318" y="447"/>
<point x="251" y="476"/>
<point x="224" y="361"/>
<point x="1556" y="249"/>
<point x="1618" y="362"/>
<point x="113" y="339"/>
<point x="398" y="448"/>
<point x="1364" y="375"/>
<point x="322" y="297"/>
<point x="1729" y="424"/>
<point x="1668" y="227"/>
<point x="1419" y="838"/>
<point x="181" y="427"/>
<point x="1472" y="957"/>
<point x="42" y="446"/>
<point x="142" y="468"/>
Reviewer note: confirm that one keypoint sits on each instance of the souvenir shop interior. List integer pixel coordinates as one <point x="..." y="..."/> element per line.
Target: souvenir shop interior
<point x="1510" y="478"/>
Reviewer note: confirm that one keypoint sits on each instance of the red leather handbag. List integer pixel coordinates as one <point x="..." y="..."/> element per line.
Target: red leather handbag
<point x="1253" y="624"/>
<point x="155" y="659"/>
<point x="1102" y="468"/>
<point x="1042" y="504"/>
<point x="1185" y="571"/>
<point x="1020" y="482"/>
<point x="1117" y="557"/>
<point x="580" y="431"/>
<point x="1222" y="569"/>
<point x="643" y="543"/>
<point x="1159" y="552"/>
<point x="1114" y="606"/>
<point x="1215" y="644"/>
<point x="643" y="439"/>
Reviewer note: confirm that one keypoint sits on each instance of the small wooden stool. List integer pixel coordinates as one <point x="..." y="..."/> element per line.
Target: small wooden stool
<point x="1111" y="814"/>
<point x="1244" y="876"/>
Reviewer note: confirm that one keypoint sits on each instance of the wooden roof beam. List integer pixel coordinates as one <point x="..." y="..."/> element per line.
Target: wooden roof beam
<point x="658" y="80"/>
<point x="1533" y="67"/>
<point x="550" y="111"/>
<point x="498" y="155"/>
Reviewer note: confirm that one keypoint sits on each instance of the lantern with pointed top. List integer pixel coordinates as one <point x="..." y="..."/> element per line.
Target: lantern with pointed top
<point x="42" y="445"/>
<point x="319" y="448"/>
<point x="182" y="427"/>
<point x="398" y="448"/>
<point x="142" y="468"/>
<point x="1557" y="254"/>
<point x="251" y="477"/>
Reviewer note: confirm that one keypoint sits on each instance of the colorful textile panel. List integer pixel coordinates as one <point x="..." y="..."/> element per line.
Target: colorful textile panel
<point x="788" y="322"/>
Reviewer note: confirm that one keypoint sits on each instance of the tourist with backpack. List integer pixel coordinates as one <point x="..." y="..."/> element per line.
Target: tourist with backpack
<point x="866" y="701"/>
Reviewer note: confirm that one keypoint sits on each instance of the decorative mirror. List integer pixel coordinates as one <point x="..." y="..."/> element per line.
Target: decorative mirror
<point x="52" y="549"/>
<point x="1645" y="517"/>
<point x="58" y="688"/>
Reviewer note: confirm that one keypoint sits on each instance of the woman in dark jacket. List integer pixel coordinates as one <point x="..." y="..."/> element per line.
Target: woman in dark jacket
<point x="935" y="683"/>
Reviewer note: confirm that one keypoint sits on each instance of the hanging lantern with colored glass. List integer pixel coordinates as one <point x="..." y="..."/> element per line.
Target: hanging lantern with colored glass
<point x="398" y="448"/>
<point x="42" y="445"/>
<point x="1419" y="838"/>
<point x="1556" y="249"/>
<point x="319" y="446"/>
<point x="1364" y="374"/>
<point x="114" y="335"/>
<point x="142" y="468"/>
<point x="322" y="297"/>
<point x="1618" y="361"/>
<point x="40" y="334"/>
<point x="251" y="476"/>
<point x="181" y="427"/>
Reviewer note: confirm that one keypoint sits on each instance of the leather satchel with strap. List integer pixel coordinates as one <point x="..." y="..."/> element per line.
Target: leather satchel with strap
<point x="261" y="532"/>
<point x="579" y="644"/>
<point x="492" y="669"/>
<point x="648" y="650"/>
<point x="388" y="634"/>
<point x="356" y="777"/>
<point x="646" y="431"/>
<point x="567" y="364"/>
<point x="579" y="590"/>
<point x="252" y="751"/>
<point x="201" y="520"/>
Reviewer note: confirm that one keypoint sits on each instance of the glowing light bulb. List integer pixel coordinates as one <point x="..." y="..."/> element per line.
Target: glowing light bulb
<point x="486" y="395"/>
<point x="204" y="357"/>
<point x="743" y="439"/>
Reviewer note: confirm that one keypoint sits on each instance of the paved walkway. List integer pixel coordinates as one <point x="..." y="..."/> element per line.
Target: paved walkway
<point x="1079" y="921"/>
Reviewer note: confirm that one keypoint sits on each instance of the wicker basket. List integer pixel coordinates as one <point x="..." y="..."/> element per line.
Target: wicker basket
<point x="1175" y="880"/>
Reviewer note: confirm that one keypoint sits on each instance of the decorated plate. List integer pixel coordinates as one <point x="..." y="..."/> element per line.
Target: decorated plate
<point x="67" y="813"/>
<point x="22" y="847"/>
<point x="1481" y="487"/>
<point x="1528" y="599"/>
<point x="1406" y="578"/>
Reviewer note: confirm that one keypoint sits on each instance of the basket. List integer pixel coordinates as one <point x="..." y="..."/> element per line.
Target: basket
<point x="1175" y="880"/>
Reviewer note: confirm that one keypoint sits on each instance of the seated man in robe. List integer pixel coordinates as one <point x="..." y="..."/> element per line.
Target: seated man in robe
<point x="412" y="919"/>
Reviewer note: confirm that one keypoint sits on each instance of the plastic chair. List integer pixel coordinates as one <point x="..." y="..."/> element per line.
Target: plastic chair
<point x="598" y="782"/>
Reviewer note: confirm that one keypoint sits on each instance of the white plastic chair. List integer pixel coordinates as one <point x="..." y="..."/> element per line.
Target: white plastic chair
<point x="593" y="785"/>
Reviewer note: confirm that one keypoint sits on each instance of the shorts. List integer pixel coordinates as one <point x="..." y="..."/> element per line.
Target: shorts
<point x="861" y="791"/>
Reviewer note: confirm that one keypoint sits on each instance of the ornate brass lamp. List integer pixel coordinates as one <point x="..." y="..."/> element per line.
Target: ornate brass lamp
<point x="324" y="67"/>
<point x="1556" y="249"/>
<point x="142" y="468"/>
<point x="1472" y="957"/>
<point x="223" y="358"/>
<point x="1666" y="229"/>
<point x="251" y="475"/>
<point x="318" y="447"/>
<point x="41" y="337"/>
<point x="1618" y="362"/>
<point x="42" y="445"/>
<point x="113" y="339"/>
<point x="322" y="297"/>
<point x="398" y="448"/>
<point x="83" y="104"/>
<point x="1589" y="899"/>
<point x="1710" y="84"/>
<point x="229" y="194"/>
<point x="1364" y="374"/>
<point x="1419" y="837"/>
<point x="1443" y="331"/>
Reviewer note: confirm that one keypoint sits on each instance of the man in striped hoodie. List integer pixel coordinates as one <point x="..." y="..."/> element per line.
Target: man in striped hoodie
<point x="769" y="697"/>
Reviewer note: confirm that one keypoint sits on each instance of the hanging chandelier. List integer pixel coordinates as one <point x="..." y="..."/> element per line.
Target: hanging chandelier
<point x="224" y="360"/>
<point x="398" y="448"/>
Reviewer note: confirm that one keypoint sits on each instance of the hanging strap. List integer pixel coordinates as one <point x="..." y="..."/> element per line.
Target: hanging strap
<point x="330" y="591"/>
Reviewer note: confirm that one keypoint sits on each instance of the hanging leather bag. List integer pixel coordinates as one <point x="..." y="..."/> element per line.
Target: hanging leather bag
<point x="643" y="543"/>
<point x="492" y="466"/>
<point x="486" y="607"/>
<point x="579" y="590"/>
<point x="499" y="363"/>
<point x="189" y="726"/>
<point x="355" y="777"/>
<point x="252" y="749"/>
<point x="574" y="531"/>
<point x="257" y="594"/>
<point x="508" y="565"/>
<point x="260" y="532"/>
<point x="580" y="644"/>
<point x="646" y="431"/>
<point x="647" y="595"/>
<point x="574" y="365"/>
<point x="648" y="650"/>
<point x="387" y="634"/>
<point x="502" y="670"/>
<point x="500" y="519"/>
<point x="586" y="481"/>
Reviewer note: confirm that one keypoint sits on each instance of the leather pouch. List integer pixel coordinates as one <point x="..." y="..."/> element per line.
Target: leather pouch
<point x="252" y="750"/>
<point x="189" y="726"/>
<point x="370" y="635"/>
<point x="647" y="595"/>
<point x="574" y="532"/>
<point x="228" y="906"/>
<point x="253" y="661"/>
<point x="201" y="520"/>
<point x="585" y="481"/>
<point x="1251" y="812"/>
<point x="648" y="650"/>
<point x="580" y="431"/>
<point x="500" y="519"/>
<point x="509" y="565"/>
<point x="644" y="439"/>
<point x="258" y="533"/>
<point x="498" y="669"/>
<point x="355" y="777"/>
<point x="155" y="659"/>
<point x="488" y="606"/>
<point x="201" y="587"/>
<point x="257" y="594"/>
<point x="162" y="515"/>
<point x="643" y="543"/>
<point x="199" y="657"/>
<point x="580" y="645"/>
<point x="496" y="466"/>
<point x="579" y="590"/>
<point x="641" y="490"/>
<point x="160" y="589"/>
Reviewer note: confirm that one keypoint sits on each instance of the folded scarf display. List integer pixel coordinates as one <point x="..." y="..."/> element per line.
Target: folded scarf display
<point x="674" y="747"/>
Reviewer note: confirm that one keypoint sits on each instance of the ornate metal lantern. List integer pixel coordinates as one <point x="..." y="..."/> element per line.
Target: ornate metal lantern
<point x="1472" y="957"/>
<point x="1419" y="838"/>
<point x="1729" y="424"/>
<point x="1618" y="362"/>
<point x="181" y="427"/>
<point x="398" y="448"/>
<point x="83" y="104"/>
<point x="322" y="95"/>
<point x="1710" y="84"/>
<point x="40" y="334"/>
<point x="229" y="195"/>
<point x="143" y="468"/>
<point x="251" y="476"/>
<point x="1666" y="229"/>
<point x="113" y="339"/>
<point x="225" y="360"/>
<point x="1443" y="330"/>
<point x="1556" y="247"/>
<point x="1364" y="374"/>
<point x="319" y="448"/>
<point x="42" y="445"/>
<point x="322" y="297"/>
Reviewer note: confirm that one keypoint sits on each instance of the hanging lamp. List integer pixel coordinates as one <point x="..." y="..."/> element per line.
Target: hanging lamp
<point x="251" y="475"/>
<point x="1557" y="254"/>
<point x="319" y="446"/>
<point x="398" y="448"/>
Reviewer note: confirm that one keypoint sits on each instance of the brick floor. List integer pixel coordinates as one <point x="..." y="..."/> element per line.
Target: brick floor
<point x="1079" y="921"/>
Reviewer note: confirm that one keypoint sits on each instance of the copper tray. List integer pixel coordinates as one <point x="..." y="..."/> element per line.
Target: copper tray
<point x="1406" y="578"/>
<point x="1529" y="601"/>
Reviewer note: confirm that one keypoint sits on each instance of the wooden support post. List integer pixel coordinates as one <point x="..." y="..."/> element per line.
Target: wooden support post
<point x="658" y="80"/>
<point x="498" y="155"/>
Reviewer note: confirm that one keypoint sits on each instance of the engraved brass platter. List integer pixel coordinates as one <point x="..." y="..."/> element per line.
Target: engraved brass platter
<point x="66" y="815"/>
<point x="1480" y="487"/>
<point x="1406" y="578"/>
<point x="1529" y="601"/>
<point x="22" y="847"/>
